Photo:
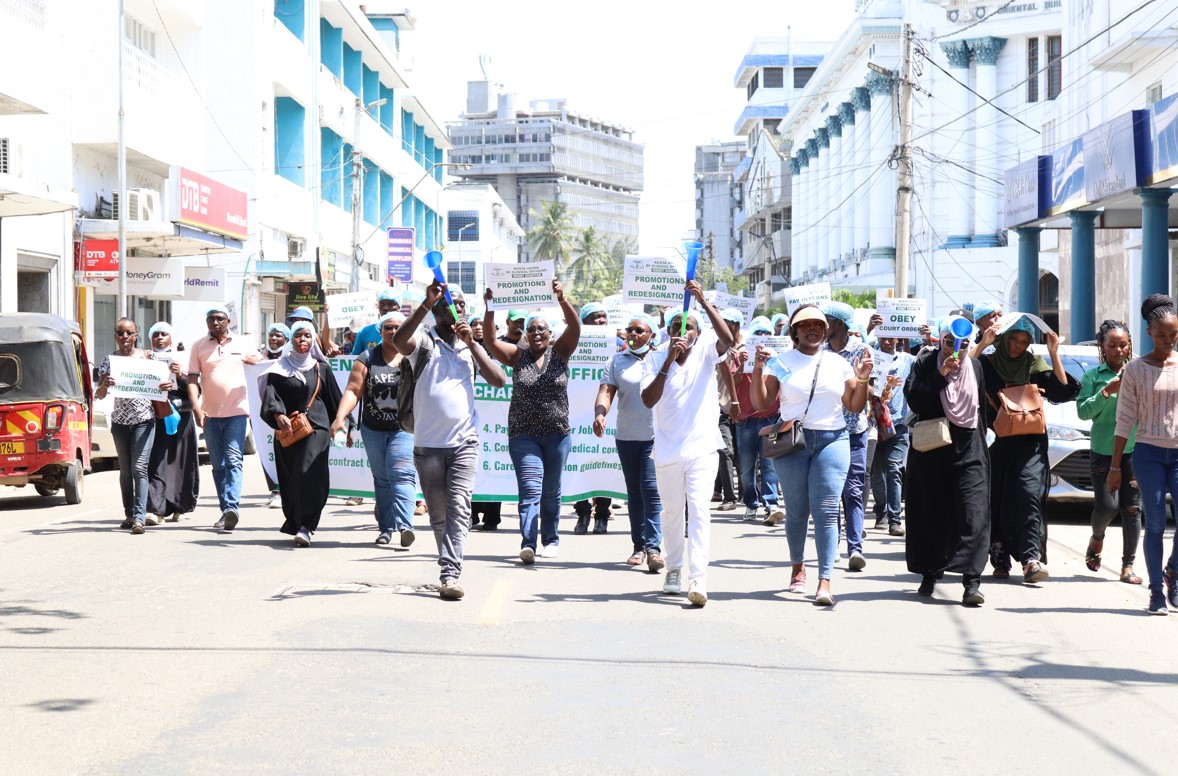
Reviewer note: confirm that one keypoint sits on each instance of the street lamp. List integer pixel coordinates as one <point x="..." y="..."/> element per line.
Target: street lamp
<point x="460" y="231"/>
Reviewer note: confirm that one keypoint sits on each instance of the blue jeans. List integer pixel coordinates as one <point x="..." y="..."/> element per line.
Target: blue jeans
<point x="539" y="467"/>
<point x="748" y="452"/>
<point x="1157" y="475"/>
<point x="225" y="438"/>
<point x="887" y="475"/>
<point x="642" y="495"/>
<point x="133" y="446"/>
<point x="853" y="492"/>
<point x="390" y="456"/>
<point x="812" y="481"/>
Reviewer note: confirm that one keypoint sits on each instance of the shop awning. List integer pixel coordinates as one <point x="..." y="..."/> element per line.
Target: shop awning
<point x="159" y="238"/>
<point x="22" y="197"/>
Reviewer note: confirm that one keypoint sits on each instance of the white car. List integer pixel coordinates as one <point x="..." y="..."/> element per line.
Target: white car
<point x="1068" y="437"/>
<point x="102" y="444"/>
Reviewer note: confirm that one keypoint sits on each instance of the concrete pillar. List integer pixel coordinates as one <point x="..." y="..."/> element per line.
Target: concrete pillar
<point x="1083" y="280"/>
<point x="882" y="236"/>
<point x="987" y="193"/>
<point x="847" y="230"/>
<point x="1155" y="249"/>
<point x="834" y="126"/>
<point x="797" y="196"/>
<point x="813" y="174"/>
<point x="822" y="135"/>
<point x="861" y="101"/>
<point x="958" y="145"/>
<point x="1028" y="269"/>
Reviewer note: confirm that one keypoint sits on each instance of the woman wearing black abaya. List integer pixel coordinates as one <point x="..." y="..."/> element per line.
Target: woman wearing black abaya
<point x="1018" y="464"/>
<point x="173" y="472"/>
<point x="301" y="382"/>
<point x="947" y="490"/>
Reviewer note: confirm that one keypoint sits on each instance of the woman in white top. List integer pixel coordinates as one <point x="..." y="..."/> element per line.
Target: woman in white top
<point x="1149" y="401"/>
<point x="814" y="388"/>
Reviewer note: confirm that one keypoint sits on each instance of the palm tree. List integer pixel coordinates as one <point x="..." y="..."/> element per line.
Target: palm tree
<point x="589" y="264"/>
<point x="553" y="233"/>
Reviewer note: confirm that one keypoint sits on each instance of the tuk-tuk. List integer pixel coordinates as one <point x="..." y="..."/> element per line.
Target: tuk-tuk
<point x="45" y="404"/>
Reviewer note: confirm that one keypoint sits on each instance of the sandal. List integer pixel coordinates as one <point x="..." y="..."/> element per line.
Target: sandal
<point x="636" y="559"/>
<point x="1128" y="577"/>
<point x="1092" y="558"/>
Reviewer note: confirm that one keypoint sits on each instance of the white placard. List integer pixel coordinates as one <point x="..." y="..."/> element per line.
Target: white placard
<point x="881" y="363"/>
<point x="884" y="293"/>
<point x="1010" y="319"/>
<point x="815" y="293"/>
<point x="139" y="378"/>
<point x="774" y="344"/>
<point x="901" y="318"/>
<point x="342" y="308"/>
<point x="597" y="345"/>
<point x="204" y="284"/>
<point x="526" y="286"/>
<point x="653" y="280"/>
<point x="722" y="300"/>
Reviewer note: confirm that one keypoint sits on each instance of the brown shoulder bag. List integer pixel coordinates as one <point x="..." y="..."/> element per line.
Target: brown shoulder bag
<point x="1020" y="411"/>
<point x="300" y="424"/>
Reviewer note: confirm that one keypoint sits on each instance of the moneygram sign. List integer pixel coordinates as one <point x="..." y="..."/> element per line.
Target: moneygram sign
<point x="202" y="202"/>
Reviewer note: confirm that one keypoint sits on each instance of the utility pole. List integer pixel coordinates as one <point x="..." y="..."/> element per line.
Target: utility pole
<point x="904" y="169"/>
<point x="357" y="184"/>
<point x="122" y="172"/>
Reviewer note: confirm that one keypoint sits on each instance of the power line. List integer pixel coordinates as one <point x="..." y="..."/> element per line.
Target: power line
<point x="924" y="53"/>
<point x="976" y="22"/>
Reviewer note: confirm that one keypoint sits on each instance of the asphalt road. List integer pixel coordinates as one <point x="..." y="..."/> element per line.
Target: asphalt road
<point x="188" y="650"/>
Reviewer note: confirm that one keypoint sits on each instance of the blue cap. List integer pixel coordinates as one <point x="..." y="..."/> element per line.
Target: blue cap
<point x="779" y="318"/>
<point x="732" y="315"/>
<point x="301" y="314"/>
<point x="279" y="327"/>
<point x="761" y="324"/>
<point x="591" y="308"/>
<point x="388" y="295"/>
<point x="982" y="309"/>
<point x="840" y="311"/>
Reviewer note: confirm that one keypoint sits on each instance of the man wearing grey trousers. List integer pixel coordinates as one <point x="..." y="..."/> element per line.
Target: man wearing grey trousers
<point x="445" y="429"/>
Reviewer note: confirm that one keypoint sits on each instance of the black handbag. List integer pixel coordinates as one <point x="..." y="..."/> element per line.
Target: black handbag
<point x="787" y="437"/>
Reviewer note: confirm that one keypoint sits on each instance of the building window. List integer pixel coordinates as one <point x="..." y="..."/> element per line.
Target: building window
<point x="774" y="77"/>
<point x="141" y="37"/>
<point x="802" y="76"/>
<point x="1154" y="93"/>
<point x="1032" y="70"/>
<point x="464" y="274"/>
<point x="462" y="226"/>
<point x="290" y="119"/>
<point x="1048" y="136"/>
<point x="753" y="84"/>
<point x="1054" y="66"/>
<point x="290" y="14"/>
<point x="771" y="125"/>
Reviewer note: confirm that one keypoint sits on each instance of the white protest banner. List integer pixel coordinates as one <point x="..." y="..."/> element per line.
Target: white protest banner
<point x="1010" y="319"/>
<point x="597" y="345"/>
<point x="139" y="378"/>
<point x="901" y="318"/>
<point x="881" y="363"/>
<point x="653" y="280"/>
<point x="526" y="286"/>
<point x="722" y="300"/>
<point x="775" y="345"/>
<point x="592" y="468"/>
<point x="884" y="293"/>
<point x="342" y="308"/>
<point x="815" y="293"/>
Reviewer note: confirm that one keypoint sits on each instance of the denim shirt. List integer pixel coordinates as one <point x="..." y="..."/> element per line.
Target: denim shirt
<point x="856" y="421"/>
<point x="902" y="367"/>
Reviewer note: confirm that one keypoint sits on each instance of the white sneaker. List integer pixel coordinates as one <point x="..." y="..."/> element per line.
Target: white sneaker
<point x="697" y="594"/>
<point x="774" y="515"/>
<point x="750" y="513"/>
<point x="671" y="583"/>
<point x="153" y="520"/>
<point x="549" y="551"/>
<point x="275" y="501"/>
<point x="527" y="555"/>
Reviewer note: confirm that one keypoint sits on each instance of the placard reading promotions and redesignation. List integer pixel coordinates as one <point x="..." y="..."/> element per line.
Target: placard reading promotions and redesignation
<point x="139" y="378"/>
<point x="653" y="280"/>
<point x="526" y="286"/>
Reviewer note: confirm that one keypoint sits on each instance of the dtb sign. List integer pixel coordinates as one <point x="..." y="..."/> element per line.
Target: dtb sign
<point x="97" y="259"/>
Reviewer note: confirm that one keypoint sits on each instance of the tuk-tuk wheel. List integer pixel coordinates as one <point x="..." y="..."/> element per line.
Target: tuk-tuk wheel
<point x="45" y="490"/>
<point x="73" y="484"/>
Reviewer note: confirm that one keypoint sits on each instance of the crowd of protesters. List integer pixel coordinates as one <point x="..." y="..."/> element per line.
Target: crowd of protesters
<point x="949" y="439"/>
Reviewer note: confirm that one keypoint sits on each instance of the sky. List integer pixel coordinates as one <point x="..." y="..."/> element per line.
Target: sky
<point x="665" y="69"/>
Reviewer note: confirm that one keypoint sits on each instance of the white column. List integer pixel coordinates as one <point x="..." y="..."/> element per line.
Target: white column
<point x="861" y="101"/>
<point x="846" y="114"/>
<point x="802" y="210"/>
<point x="834" y="129"/>
<point x="822" y="134"/>
<point x="955" y="213"/>
<point x="883" y="179"/>
<point x="795" y="192"/>
<point x="987" y="193"/>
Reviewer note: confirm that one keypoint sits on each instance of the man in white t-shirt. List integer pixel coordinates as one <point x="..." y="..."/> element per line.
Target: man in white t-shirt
<point x="679" y="385"/>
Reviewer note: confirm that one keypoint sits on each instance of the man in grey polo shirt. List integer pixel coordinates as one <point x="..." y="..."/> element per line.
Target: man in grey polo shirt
<point x="445" y="431"/>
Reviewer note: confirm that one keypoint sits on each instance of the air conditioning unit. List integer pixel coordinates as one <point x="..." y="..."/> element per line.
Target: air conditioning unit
<point x="4" y="143"/>
<point x="295" y="246"/>
<point x="142" y="205"/>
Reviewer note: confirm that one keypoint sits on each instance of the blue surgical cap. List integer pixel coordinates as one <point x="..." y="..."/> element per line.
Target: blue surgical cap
<point x="732" y="315"/>
<point x="779" y="318"/>
<point x="536" y="317"/>
<point x="650" y="324"/>
<point x="591" y="308"/>
<point x="387" y="295"/>
<point x="760" y="322"/>
<point x="217" y="308"/>
<point x="279" y="327"/>
<point x="840" y="311"/>
<point x="982" y="309"/>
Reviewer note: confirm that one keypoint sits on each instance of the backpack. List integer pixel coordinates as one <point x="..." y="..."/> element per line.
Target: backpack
<point x="409" y="383"/>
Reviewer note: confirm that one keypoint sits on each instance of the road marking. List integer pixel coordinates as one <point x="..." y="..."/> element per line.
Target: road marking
<point x="489" y="615"/>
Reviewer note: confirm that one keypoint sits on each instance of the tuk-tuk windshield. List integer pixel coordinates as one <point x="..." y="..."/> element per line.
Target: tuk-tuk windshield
<point x="37" y="371"/>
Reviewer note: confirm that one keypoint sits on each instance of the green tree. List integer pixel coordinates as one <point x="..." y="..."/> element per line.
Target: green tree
<point x="589" y="271"/>
<point x="553" y="234"/>
<point x="864" y="300"/>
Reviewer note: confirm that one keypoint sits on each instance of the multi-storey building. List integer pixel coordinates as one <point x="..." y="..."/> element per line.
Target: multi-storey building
<point x="717" y="198"/>
<point x="549" y="153"/>
<point x="480" y="229"/>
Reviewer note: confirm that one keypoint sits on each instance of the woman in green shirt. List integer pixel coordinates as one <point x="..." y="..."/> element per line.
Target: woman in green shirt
<point x="1098" y="402"/>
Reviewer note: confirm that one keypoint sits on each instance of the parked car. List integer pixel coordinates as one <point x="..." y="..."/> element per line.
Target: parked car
<point x="1068" y="437"/>
<point x="102" y="446"/>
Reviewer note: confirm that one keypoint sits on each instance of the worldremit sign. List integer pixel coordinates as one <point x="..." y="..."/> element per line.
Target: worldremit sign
<point x="196" y="200"/>
<point x="204" y="284"/>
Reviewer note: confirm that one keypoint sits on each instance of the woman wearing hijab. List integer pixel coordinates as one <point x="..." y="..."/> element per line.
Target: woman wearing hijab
<point x="276" y="338"/>
<point x="947" y="503"/>
<point x="593" y="314"/>
<point x="538" y="434"/>
<point x="173" y="470"/>
<point x="1018" y="464"/>
<point x="622" y="381"/>
<point x="301" y="382"/>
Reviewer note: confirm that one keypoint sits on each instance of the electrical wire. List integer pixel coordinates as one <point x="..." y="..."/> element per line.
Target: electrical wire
<point x="976" y="22"/>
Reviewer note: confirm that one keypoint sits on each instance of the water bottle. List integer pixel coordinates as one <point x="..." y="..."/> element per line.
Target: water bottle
<point x="340" y="439"/>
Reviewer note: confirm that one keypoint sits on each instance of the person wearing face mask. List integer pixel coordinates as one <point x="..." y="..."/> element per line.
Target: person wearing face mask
<point x="1018" y="464"/>
<point x="301" y="382"/>
<point x="593" y="314"/>
<point x="634" y="437"/>
<point x="947" y="502"/>
<point x="276" y="338"/>
<point x="132" y="424"/>
<point x="538" y="434"/>
<point x="174" y="473"/>
<point x="679" y="385"/>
